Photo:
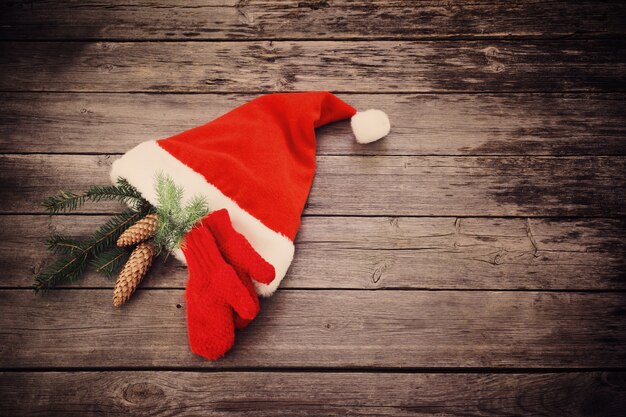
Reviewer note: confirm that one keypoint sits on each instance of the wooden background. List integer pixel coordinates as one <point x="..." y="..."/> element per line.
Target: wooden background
<point x="472" y="263"/>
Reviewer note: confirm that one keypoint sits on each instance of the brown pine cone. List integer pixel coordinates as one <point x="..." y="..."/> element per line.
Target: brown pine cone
<point x="132" y="273"/>
<point x="141" y="231"/>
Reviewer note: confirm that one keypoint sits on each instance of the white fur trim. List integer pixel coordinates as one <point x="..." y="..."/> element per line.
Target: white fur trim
<point x="370" y="125"/>
<point x="140" y="166"/>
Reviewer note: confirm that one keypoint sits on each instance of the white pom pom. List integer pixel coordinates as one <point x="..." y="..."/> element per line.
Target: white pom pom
<point x="370" y="125"/>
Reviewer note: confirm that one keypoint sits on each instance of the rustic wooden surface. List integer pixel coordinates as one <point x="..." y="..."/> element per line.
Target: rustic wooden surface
<point x="387" y="253"/>
<point x="472" y="263"/>
<point x="382" y="185"/>
<point x="343" y="66"/>
<point x="423" y="124"/>
<point x="324" y="328"/>
<point x="296" y="19"/>
<point x="313" y="393"/>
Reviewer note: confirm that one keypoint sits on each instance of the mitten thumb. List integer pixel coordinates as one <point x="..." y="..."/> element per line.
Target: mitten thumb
<point x="236" y="248"/>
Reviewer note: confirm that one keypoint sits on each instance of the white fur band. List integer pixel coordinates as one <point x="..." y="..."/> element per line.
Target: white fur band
<point x="140" y="166"/>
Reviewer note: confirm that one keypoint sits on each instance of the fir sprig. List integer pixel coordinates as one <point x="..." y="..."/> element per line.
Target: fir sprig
<point x="64" y="244"/>
<point x="68" y="201"/>
<point x="107" y="234"/>
<point x="78" y="253"/>
<point x="110" y="261"/>
<point x="175" y="220"/>
<point x="65" y="269"/>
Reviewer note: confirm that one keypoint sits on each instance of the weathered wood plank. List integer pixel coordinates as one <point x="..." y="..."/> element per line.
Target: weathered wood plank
<point x="311" y="394"/>
<point x="424" y="124"/>
<point x="78" y="328"/>
<point x="390" y="253"/>
<point x="306" y="19"/>
<point x="376" y="66"/>
<point x="380" y="185"/>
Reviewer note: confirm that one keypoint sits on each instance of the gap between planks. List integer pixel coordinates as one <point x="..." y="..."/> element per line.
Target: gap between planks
<point x="423" y="125"/>
<point x="386" y="253"/>
<point x="527" y="186"/>
<point x="315" y="393"/>
<point x="312" y="19"/>
<point x="388" y="66"/>
<point x="455" y="38"/>
<point x="386" y="329"/>
<point x="404" y="370"/>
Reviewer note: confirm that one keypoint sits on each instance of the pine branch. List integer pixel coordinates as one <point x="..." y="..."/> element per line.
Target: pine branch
<point x="64" y="201"/>
<point x="195" y="210"/>
<point x="122" y="191"/>
<point x="106" y="236"/>
<point x="66" y="269"/>
<point x="109" y="262"/>
<point x="63" y="244"/>
<point x="74" y="264"/>
<point x="174" y="219"/>
<point x="68" y="201"/>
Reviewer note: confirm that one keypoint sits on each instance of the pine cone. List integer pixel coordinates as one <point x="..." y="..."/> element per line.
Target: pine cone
<point x="141" y="231"/>
<point x="132" y="273"/>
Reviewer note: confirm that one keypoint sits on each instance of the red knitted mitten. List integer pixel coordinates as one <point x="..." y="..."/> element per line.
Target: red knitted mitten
<point x="240" y="255"/>
<point x="236" y="249"/>
<point x="241" y="323"/>
<point x="213" y="291"/>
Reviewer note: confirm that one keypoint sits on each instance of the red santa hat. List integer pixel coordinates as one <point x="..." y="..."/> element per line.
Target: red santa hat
<point x="257" y="161"/>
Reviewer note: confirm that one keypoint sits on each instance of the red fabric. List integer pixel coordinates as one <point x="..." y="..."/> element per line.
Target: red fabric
<point x="262" y="154"/>
<point x="240" y="322"/>
<point x="234" y="246"/>
<point x="215" y="291"/>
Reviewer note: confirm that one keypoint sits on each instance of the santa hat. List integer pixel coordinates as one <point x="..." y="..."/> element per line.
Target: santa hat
<point x="257" y="161"/>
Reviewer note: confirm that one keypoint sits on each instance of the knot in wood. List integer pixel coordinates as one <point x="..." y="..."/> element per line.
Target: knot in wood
<point x="314" y="5"/>
<point x="491" y="55"/>
<point x="498" y="257"/>
<point x="491" y="52"/>
<point x="142" y="392"/>
<point x="379" y="269"/>
<point x="107" y="67"/>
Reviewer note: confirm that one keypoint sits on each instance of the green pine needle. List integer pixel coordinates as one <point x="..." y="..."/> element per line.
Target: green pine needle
<point x="64" y="244"/>
<point x="106" y="236"/>
<point x="67" y="201"/>
<point x="175" y="220"/>
<point x="110" y="261"/>
<point x="64" y="201"/>
<point x="77" y="254"/>
<point x="66" y="269"/>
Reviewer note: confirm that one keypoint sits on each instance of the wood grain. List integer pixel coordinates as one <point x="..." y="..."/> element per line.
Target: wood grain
<point x="470" y="264"/>
<point x="424" y="124"/>
<point x="311" y="394"/>
<point x="421" y="329"/>
<point x="341" y="66"/>
<point x="380" y="185"/>
<point x="306" y="19"/>
<point x="385" y="253"/>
